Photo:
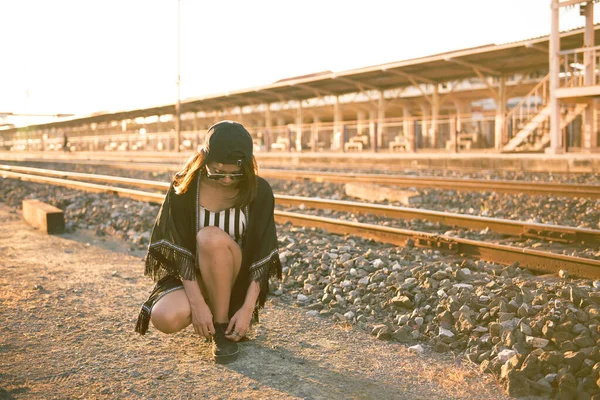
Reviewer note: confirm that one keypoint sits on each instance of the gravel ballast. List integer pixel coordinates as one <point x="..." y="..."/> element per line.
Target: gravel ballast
<point x="539" y="335"/>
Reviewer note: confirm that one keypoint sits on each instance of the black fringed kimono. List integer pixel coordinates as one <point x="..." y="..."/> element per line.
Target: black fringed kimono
<point x="172" y="253"/>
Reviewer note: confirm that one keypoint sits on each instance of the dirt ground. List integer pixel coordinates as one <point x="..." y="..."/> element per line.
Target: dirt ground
<point x="68" y="305"/>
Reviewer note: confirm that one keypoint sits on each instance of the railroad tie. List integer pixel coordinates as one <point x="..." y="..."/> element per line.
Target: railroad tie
<point x="44" y="217"/>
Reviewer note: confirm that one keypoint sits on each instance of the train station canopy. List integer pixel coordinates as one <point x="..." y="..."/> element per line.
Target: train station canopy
<point x="524" y="56"/>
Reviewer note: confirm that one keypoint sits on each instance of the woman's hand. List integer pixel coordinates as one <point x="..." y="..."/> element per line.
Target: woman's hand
<point x="202" y="320"/>
<point x="239" y="324"/>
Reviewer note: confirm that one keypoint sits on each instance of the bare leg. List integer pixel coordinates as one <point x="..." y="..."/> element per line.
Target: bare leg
<point x="172" y="312"/>
<point x="220" y="259"/>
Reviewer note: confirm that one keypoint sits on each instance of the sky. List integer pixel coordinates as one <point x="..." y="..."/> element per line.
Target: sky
<point x="82" y="57"/>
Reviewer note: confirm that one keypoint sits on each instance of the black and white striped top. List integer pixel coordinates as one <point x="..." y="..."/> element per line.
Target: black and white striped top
<point x="232" y="221"/>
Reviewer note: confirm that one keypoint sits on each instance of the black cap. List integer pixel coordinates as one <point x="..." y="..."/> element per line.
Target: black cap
<point x="228" y="142"/>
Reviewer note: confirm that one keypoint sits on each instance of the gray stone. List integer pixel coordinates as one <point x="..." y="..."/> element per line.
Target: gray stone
<point x="417" y="349"/>
<point x="349" y="316"/>
<point x="445" y="332"/>
<point x="495" y="329"/>
<point x="402" y="301"/>
<point x="576" y="294"/>
<point x="523" y="310"/>
<point x="510" y="324"/>
<point x="441" y="347"/>
<point x="567" y="386"/>
<point x="536" y="342"/>
<point x="302" y="298"/>
<point x="584" y="341"/>
<point x="551" y="357"/>
<point x="517" y="384"/>
<point x="504" y="316"/>
<point x="574" y="359"/>
<point x="525" y="329"/>
<point x="542" y="385"/>
<point x="531" y="366"/>
<point x="505" y="355"/>
<point x="563" y="273"/>
<point x="402" y="335"/>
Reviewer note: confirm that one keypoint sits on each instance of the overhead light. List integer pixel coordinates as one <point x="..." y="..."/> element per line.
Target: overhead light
<point x="578" y="66"/>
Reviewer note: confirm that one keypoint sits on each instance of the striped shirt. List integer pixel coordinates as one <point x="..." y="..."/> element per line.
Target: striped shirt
<point x="232" y="221"/>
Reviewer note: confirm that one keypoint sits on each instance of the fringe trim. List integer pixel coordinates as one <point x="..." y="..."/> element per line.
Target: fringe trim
<point x="271" y="267"/>
<point x="262" y="261"/>
<point x="165" y="259"/>
<point x="143" y="321"/>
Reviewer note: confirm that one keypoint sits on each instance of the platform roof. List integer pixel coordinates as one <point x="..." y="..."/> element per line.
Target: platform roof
<point x="491" y="60"/>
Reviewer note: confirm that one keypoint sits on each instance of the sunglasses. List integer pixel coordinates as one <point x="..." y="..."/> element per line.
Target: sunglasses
<point x="217" y="177"/>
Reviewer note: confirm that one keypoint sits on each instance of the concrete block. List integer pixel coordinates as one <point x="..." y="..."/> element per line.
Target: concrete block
<point x="381" y="193"/>
<point x="43" y="216"/>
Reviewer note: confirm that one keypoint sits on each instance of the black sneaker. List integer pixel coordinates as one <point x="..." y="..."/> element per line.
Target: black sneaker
<point x="223" y="350"/>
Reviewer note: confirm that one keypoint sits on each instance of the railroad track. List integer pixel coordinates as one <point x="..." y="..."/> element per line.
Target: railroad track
<point x="559" y="233"/>
<point x="443" y="183"/>
<point x="503" y="254"/>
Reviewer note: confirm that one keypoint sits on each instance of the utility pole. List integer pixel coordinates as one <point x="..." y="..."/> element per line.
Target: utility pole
<point x="178" y="104"/>
<point x="26" y="119"/>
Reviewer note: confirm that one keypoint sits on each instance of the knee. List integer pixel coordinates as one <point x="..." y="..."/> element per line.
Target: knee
<point x="168" y="322"/>
<point x="211" y="238"/>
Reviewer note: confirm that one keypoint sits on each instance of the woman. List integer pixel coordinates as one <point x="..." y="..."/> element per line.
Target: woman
<point x="213" y="246"/>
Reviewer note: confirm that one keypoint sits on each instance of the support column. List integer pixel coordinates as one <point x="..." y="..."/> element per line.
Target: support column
<point x="500" y="124"/>
<point x="44" y="138"/>
<point x="360" y="118"/>
<point x="338" y="134"/>
<point x="285" y="134"/>
<point x="268" y="128"/>
<point x="435" y="112"/>
<point x="373" y="130"/>
<point x="408" y="128"/>
<point x="299" y="127"/>
<point x="459" y="106"/>
<point x="425" y="139"/>
<point x="177" y="126"/>
<point x="159" y="137"/>
<point x="453" y="134"/>
<point x="556" y="142"/>
<point x="315" y="133"/>
<point x="589" y="139"/>
<point x="380" y="119"/>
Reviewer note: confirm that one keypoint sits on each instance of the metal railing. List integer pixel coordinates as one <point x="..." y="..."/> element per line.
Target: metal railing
<point x="528" y="107"/>
<point x="578" y="67"/>
<point x="388" y="134"/>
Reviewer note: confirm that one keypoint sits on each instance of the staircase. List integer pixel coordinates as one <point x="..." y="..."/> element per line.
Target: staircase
<point x="572" y="113"/>
<point x="528" y="129"/>
<point x="531" y="114"/>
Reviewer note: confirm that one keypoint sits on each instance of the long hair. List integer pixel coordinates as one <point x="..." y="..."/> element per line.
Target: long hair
<point x="196" y="164"/>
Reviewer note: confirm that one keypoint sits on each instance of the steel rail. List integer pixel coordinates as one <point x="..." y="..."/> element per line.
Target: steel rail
<point x="88" y="187"/>
<point x="503" y="186"/>
<point x="123" y="164"/>
<point x="533" y="259"/>
<point x="88" y="177"/>
<point x="558" y="233"/>
<point x="502" y="254"/>
<point x="444" y="183"/>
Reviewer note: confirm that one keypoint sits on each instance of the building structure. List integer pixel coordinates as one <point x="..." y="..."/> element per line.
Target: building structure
<point x="532" y="95"/>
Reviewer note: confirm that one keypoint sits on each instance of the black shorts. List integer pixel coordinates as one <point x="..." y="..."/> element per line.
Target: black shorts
<point x="164" y="286"/>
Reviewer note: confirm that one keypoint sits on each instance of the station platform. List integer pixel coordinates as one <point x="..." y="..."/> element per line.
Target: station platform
<point x="527" y="162"/>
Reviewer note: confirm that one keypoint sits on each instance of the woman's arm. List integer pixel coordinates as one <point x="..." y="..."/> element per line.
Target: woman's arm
<point x="251" y="296"/>
<point x="240" y="322"/>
